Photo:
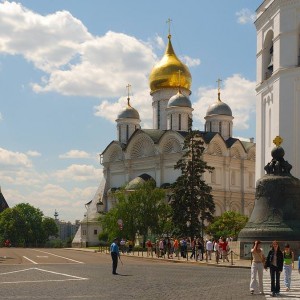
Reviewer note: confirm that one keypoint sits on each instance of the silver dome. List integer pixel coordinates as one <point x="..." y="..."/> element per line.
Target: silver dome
<point x="129" y="113"/>
<point x="219" y="108"/>
<point x="179" y="100"/>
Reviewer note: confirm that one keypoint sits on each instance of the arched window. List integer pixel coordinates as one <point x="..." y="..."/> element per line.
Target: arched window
<point x="213" y="176"/>
<point x="158" y="114"/>
<point x="220" y="128"/>
<point x="270" y="124"/>
<point x="268" y="55"/>
<point x="171" y="122"/>
<point x="179" y="122"/>
<point x="251" y="183"/>
<point x="233" y="177"/>
<point x="127" y="132"/>
<point x="299" y="48"/>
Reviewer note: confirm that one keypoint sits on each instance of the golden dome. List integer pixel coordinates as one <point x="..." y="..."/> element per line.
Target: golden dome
<point x="165" y="74"/>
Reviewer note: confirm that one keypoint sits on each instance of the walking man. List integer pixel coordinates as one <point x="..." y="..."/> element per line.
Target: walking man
<point x="115" y="254"/>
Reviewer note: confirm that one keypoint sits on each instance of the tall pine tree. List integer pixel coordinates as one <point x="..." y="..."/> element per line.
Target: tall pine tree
<point x="192" y="202"/>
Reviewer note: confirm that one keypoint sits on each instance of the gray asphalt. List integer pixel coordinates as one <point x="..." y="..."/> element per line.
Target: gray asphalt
<point x="69" y="274"/>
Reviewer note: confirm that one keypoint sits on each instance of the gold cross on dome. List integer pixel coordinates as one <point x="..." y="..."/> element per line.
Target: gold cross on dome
<point x="219" y="84"/>
<point x="128" y="86"/>
<point x="169" y="22"/>
<point x="278" y="141"/>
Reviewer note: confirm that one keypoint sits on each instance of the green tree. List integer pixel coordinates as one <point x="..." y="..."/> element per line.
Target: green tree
<point x="49" y="228"/>
<point x="229" y="224"/>
<point x="12" y="227"/>
<point x="33" y="223"/>
<point x="192" y="202"/>
<point x="142" y="210"/>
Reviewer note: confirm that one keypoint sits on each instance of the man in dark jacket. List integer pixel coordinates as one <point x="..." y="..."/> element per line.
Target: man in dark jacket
<point x="274" y="261"/>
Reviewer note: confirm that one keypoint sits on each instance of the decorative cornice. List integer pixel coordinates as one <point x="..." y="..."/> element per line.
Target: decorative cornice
<point x="271" y="11"/>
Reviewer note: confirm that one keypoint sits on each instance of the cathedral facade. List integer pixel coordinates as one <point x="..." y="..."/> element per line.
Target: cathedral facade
<point x="139" y="154"/>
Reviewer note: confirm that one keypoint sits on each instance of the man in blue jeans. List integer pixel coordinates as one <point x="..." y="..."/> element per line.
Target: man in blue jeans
<point x="115" y="254"/>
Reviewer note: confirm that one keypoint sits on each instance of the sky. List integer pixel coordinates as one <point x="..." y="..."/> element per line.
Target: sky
<point x="64" y="68"/>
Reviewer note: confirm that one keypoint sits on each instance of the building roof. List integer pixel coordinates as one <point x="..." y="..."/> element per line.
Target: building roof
<point x="3" y="203"/>
<point x="179" y="100"/>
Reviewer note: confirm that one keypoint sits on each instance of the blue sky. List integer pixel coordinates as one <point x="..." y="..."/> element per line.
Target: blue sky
<point x="64" y="66"/>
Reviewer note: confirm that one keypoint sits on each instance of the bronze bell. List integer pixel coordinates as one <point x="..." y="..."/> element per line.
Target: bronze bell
<point x="270" y="66"/>
<point x="276" y="213"/>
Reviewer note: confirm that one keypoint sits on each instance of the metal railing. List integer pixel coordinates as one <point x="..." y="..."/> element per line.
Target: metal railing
<point x="178" y="255"/>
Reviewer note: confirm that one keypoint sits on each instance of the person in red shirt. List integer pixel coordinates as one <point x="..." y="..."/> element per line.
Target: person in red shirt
<point x="224" y="247"/>
<point x="149" y="248"/>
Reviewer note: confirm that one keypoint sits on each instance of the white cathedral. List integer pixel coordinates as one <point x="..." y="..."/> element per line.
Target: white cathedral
<point x="139" y="153"/>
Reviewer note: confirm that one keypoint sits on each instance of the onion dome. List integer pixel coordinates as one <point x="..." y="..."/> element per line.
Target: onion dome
<point x="219" y="108"/>
<point x="165" y="73"/>
<point x="179" y="100"/>
<point x="128" y="112"/>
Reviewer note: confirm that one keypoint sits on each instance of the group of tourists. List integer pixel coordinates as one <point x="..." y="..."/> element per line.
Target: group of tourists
<point x="276" y="261"/>
<point x="175" y="247"/>
<point x="196" y="248"/>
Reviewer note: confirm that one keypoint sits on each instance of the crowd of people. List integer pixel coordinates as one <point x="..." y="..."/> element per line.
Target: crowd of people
<point x="195" y="248"/>
<point x="276" y="260"/>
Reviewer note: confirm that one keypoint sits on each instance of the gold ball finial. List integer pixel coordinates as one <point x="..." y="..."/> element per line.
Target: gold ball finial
<point x="278" y="141"/>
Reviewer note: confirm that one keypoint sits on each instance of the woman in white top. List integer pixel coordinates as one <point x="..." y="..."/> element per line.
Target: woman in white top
<point x="257" y="268"/>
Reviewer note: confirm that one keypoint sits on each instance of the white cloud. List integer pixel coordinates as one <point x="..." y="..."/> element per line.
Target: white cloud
<point x="141" y="101"/>
<point x="10" y="158"/>
<point x="238" y="93"/>
<point x="33" y="153"/>
<point x="50" y="197"/>
<point x="157" y="42"/>
<point x="245" y="16"/>
<point x="75" y="154"/>
<point x="78" y="173"/>
<point x="49" y="41"/>
<point x="75" y="62"/>
<point x="160" y="42"/>
<point x="106" y="65"/>
<point x="190" y="62"/>
<point x="242" y="138"/>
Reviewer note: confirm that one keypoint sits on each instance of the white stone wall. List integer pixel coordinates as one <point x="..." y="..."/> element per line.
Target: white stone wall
<point x="160" y="100"/>
<point x="278" y="97"/>
<point x="125" y="129"/>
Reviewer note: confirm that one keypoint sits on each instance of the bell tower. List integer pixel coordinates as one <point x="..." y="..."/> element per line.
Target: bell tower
<point x="278" y="81"/>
